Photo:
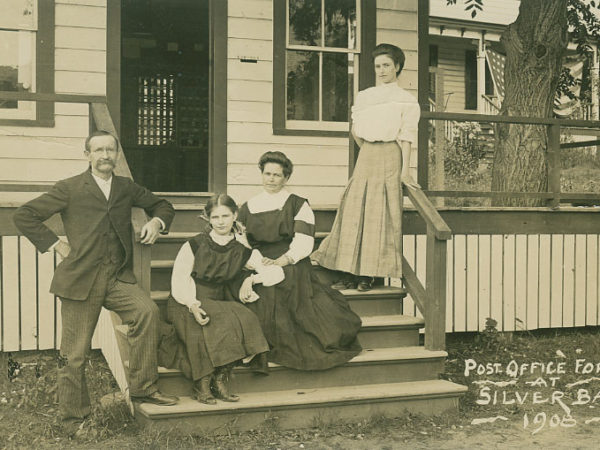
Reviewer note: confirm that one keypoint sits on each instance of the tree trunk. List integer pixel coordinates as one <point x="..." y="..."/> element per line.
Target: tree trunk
<point x="535" y="44"/>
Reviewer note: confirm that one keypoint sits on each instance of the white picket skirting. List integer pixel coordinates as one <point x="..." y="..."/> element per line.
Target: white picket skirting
<point x="524" y="282"/>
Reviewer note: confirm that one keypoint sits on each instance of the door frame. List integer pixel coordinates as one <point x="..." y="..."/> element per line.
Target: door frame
<point x="217" y="143"/>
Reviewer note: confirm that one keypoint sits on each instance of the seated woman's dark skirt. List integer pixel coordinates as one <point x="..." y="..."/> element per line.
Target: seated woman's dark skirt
<point x="308" y="325"/>
<point x="232" y="334"/>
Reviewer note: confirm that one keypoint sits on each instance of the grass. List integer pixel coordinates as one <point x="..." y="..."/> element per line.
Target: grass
<point x="28" y="408"/>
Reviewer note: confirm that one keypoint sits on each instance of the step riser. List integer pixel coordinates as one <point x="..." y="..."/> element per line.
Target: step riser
<point x="369" y="338"/>
<point x="166" y="250"/>
<point x="364" y="308"/>
<point x="281" y="378"/>
<point x="187" y="221"/>
<point x="304" y="417"/>
<point x="376" y="307"/>
<point x="388" y="338"/>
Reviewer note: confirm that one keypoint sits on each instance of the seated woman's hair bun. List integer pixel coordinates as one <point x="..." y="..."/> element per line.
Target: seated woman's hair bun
<point x="277" y="158"/>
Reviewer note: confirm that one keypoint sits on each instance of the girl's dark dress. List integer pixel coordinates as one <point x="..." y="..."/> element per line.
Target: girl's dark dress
<point x="233" y="331"/>
<point x="308" y="325"/>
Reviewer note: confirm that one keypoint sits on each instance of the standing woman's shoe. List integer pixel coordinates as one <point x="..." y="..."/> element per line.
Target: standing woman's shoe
<point x="347" y="281"/>
<point x="365" y="284"/>
<point x="220" y="384"/>
<point x="202" y="391"/>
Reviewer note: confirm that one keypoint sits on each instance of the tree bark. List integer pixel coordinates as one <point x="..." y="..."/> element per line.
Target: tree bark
<point x="535" y="44"/>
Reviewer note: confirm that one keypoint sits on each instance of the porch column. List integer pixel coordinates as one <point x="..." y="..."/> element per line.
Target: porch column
<point x="481" y="72"/>
<point x="595" y="83"/>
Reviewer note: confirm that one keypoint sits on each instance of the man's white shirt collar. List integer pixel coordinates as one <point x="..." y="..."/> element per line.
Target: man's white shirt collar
<point x="104" y="185"/>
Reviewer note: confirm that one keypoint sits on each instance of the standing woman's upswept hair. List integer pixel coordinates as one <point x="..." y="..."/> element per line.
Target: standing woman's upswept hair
<point x="395" y="53"/>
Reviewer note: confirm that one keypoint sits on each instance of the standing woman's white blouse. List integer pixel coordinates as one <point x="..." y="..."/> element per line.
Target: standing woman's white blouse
<point x="386" y="113"/>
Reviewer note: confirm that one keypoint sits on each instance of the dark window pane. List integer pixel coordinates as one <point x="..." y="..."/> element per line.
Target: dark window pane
<point x="470" y="79"/>
<point x="433" y="55"/>
<point x="305" y="22"/>
<point x="9" y="67"/>
<point x="340" y="18"/>
<point x="335" y="87"/>
<point x="302" y="85"/>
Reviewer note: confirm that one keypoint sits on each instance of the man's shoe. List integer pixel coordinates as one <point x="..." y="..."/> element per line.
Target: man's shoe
<point x="157" y="398"/>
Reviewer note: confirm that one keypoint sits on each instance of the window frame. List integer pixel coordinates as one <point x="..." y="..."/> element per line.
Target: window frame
<point x="44" y="68"/>
<point x="282" y="126"/>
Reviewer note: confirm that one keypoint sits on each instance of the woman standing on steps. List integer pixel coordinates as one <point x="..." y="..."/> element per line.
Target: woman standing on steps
<point x="366" y="236"/>
<point x="217" y="331"/>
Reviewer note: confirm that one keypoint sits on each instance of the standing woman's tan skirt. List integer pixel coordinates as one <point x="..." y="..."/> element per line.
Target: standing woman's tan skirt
<point x="366" y="237"/>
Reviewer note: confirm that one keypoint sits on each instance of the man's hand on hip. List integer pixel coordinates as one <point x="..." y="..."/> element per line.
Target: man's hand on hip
<point x="62" y="248"/>
<point x="150" y="231"/>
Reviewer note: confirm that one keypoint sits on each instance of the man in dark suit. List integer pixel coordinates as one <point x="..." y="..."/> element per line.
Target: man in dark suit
<point x="96" y="271"/>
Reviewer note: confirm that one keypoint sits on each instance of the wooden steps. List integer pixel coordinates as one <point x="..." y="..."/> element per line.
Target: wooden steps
<point x="297" y="408"/>
<point x="371" y="366"/>
<point x="392" y="373"/>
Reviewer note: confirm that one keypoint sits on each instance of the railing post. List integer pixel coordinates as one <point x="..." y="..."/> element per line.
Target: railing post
<point x="435" y="317"/>
<point x="554" y="168"/>
<point x="142" y="256"/>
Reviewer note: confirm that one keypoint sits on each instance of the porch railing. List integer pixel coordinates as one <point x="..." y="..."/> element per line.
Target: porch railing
<point x="554" y="195"/>
<point x="100" y="119"/>
<point x="431" y="299"/>
<point x="491" y="104"/>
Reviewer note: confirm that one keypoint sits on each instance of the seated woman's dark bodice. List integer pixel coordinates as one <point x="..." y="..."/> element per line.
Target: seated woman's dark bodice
<point x="216" y="265"/>
<point x="271" y="232"/>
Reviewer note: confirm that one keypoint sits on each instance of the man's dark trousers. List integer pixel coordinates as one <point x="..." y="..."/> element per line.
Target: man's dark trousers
<point x="79" y="318"/>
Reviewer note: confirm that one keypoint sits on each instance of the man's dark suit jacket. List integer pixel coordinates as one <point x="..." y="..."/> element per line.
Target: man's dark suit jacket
<point x="86" y="214"/>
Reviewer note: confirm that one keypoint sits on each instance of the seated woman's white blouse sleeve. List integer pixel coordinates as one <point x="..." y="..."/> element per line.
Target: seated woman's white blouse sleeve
<point x="183" y="287"/>
<point x="409" y="125"/>
<point x="302" y="244"/>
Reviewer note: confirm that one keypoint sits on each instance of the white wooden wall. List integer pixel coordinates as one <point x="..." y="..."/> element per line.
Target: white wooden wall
<point x="451" y="58"/>
<point x="495" y="11"/>
<point x="320" y="163"/>
<point x="397" y="24"/>
<point x="523" y="282"/>
<point x="30" y="155"/>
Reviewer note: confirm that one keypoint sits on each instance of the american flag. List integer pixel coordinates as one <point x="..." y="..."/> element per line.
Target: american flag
<point x="496" y="62"/>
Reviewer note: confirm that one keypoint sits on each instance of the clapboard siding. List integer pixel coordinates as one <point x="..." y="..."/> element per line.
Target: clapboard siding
<point x="250" y="97"/>
<point x="494" y="11"/>
<point x="78" y="60"/>
<point x="326" y="194"/>
<point x="451" y="59"/>
<point x="304" y="175"/>
<point x="397" y="24"/>
<point x="47" y="154"/>
<point x="524" y="282"/>
<point x="80" y="38"/>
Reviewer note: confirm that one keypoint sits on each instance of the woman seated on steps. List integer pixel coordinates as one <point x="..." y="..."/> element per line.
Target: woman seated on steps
<point x="217" y="331"/>
<point x="308" y="325"/>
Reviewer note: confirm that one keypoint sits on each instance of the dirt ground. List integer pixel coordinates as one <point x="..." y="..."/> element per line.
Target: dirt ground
<point x="28" y="408"/>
